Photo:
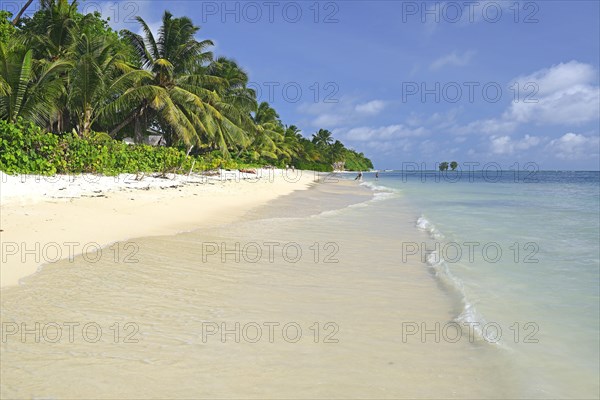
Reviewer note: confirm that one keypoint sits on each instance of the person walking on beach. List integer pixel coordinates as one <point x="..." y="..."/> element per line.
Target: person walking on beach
<point x="359" y="176"/>
<point x="377" y="175"/>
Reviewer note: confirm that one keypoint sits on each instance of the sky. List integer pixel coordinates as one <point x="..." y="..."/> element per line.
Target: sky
<point x="501" y="82"/>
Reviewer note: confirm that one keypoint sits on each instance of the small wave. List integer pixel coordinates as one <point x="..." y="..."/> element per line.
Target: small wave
<point x="424" y="224"/>
<point x="377" y="188"/>
<point x="381" y="192"/>
<point x="469" y="318"/>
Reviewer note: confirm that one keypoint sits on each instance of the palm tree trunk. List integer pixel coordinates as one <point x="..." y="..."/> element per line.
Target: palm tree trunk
<point x="20" y="14"/>
<point x="125" y="122"/>
<point x="138" y="130"/>
<point x="87" y="123"/>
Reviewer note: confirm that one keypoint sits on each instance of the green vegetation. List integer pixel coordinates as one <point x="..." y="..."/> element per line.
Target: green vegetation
<point x="65" y="76"/>
<point x="445" y="165"/>
<point x="6" y="28"/>
<point x="26" y="148"/>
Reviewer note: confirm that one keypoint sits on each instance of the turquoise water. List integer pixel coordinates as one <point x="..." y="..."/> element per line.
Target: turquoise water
<point x="520" y="254"/>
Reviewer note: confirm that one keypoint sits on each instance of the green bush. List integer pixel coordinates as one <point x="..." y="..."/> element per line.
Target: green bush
<point x="26" y="148"/>
<point x="313" y="166"/>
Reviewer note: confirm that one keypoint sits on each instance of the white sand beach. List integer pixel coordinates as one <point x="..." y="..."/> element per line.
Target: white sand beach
<point x="45" y="219"/>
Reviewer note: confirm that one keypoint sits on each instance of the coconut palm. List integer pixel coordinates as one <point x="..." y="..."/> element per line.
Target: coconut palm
<point x="236" y="100"/>
<point x="323" y="138"/>
<point x="291" y="147"/>
<point x="100" y="75"/>
<point x="52" y="30"/>
<point x="30" y="87"/>
<point x="337" y="151"/>
<point x="53" y="33"/>
<point x="188" y="107"/>
<point x="269" y="132"/>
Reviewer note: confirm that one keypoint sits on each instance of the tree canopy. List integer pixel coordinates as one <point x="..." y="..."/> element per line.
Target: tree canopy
<point x="69" y="72"/>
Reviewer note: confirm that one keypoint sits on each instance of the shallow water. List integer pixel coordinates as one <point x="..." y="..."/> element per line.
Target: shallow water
<point x="538" y="278"/>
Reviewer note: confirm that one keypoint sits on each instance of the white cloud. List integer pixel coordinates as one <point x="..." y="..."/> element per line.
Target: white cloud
<point x="365" y="133"/>
<point x="328" y="120"/>
<point x="371" y="108"/>
<point x="345" y="112"/>
<point x="390" y="147"/>
<point x="559" y="77"/>
<point x="438" y="121"/>
<point x="572" y="146"/>
<point x="564" y="94"/>
<point x="453" y="59"/>
<point x="506" y="145"/>
<point x="490" y="126"/>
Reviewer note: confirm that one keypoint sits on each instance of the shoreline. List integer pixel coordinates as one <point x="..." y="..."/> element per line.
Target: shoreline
<point x="174" y="293"/>
<point x="47" y="219"/>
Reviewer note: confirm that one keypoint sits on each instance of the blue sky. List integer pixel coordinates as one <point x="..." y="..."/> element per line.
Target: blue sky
<point x="384" y="76"/>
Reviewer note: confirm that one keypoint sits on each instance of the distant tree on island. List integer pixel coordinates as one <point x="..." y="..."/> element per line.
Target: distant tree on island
<point x="453" y="165"/>
<point x="444" y="166"/>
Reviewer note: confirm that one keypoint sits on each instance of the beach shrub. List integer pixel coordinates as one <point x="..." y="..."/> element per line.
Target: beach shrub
<point x="27" y="149"/>
<point x="313" y="166"/>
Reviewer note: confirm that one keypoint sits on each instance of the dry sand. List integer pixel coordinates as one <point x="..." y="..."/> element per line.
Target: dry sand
<point x="43" y="220"/>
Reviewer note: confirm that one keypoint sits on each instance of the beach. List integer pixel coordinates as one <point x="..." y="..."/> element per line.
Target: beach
<point x="226" y="200"/>
<point x="318" y="293"/>
<point x="46" y="219"/>
<point x="296" y="295"/>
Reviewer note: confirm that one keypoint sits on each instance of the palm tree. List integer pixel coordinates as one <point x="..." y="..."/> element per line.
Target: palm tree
<point x="323" y="138"/>
<point x="237" y="101"/>
<point x="100" y="76"/>
<point x="181" y="96"/>
<point x="21" y="12"/>
<point x="269" y="132"/>
<point x="337" y="151"/>
<point x="52" y="29"/>
<point x="30" y="87"/>
<point x="51" y="33"/>
<point x="292" y="141"/>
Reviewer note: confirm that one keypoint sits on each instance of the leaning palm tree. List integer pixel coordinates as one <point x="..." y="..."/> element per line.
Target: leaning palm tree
<point x="187" y="110"/>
